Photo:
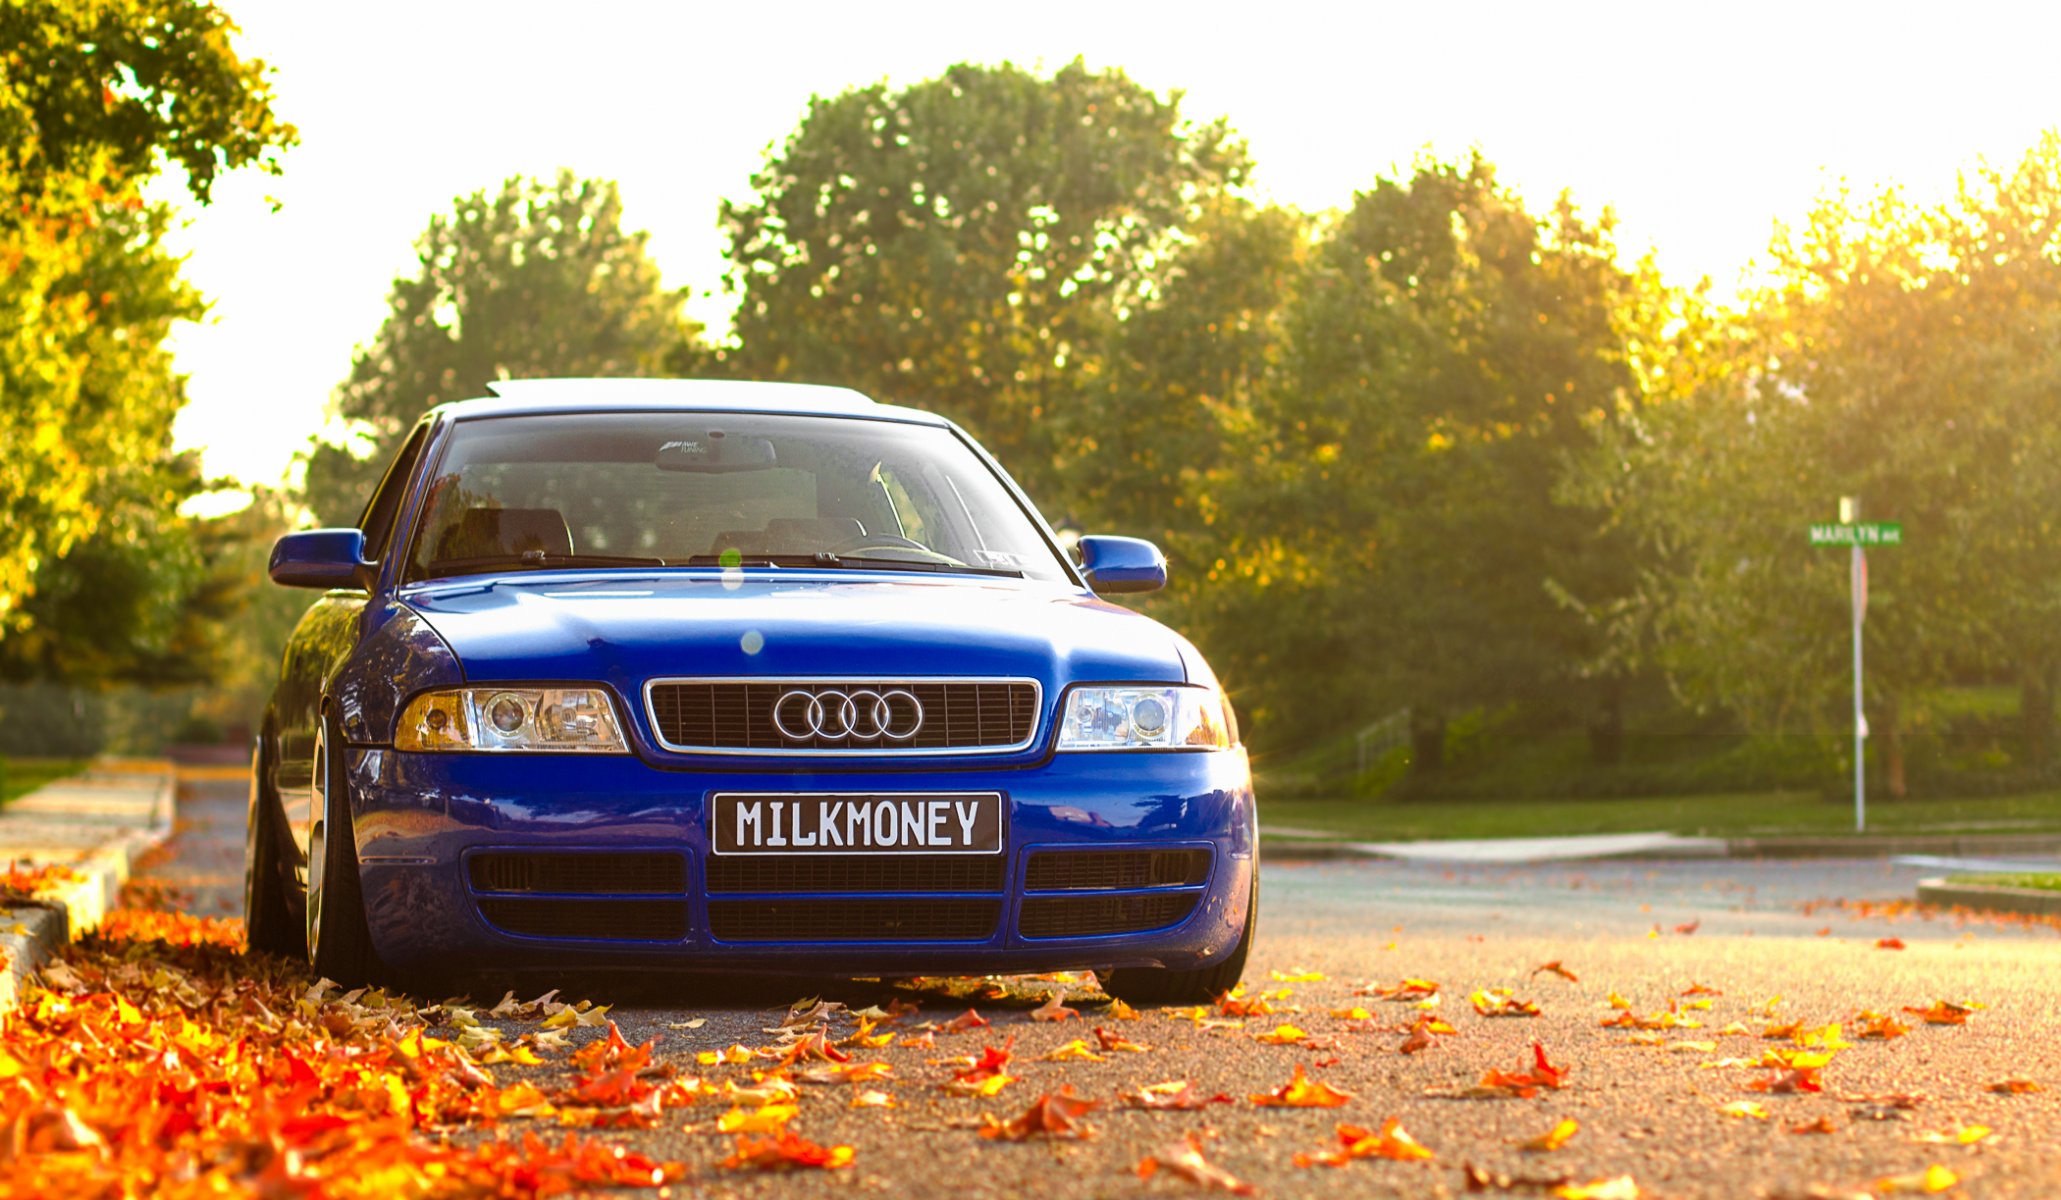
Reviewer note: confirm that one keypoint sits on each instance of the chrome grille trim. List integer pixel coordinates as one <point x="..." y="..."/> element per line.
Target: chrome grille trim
<point x="1037" y="719"/>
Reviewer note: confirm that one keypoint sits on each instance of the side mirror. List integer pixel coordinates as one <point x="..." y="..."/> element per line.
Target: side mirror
<point x="322" y="558"/>
<point x="1121" y="564"/>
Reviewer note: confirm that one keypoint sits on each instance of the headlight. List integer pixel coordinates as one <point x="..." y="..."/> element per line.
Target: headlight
<point x="1145" y="718"/>
<point x="465" y="719"/>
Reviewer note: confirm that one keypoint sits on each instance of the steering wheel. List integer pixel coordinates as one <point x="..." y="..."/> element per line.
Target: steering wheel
<point x="880" y="539"/>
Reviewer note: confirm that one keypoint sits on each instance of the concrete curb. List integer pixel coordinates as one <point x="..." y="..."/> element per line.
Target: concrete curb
<point x="97" y="824"/>
<point x="1990" y="898"/>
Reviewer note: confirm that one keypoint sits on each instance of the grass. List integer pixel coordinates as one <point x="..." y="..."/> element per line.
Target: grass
<point x="19" y="776"/>
<point x="2045" y="882"/>
<point x="1747" y="814"/>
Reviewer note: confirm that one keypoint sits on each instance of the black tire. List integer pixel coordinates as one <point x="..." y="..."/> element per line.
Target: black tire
<point x="338" y="943"/>
<point x="1143" y="986"/>
<point x="268" y="921"/>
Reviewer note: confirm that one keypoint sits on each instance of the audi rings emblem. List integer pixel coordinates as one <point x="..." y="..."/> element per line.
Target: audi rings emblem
<point x="861" y="715"/>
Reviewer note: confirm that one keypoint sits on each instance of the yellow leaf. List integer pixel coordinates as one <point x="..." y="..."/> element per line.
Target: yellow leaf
<point x="1283" y="1035"/>
<point x="1932" y="1179"/>
<point x="1745" y="1108"/>
<point x="1075" y="1049"/>
<point x="766" y="1118"/>
<point x="1553" y="1138"/>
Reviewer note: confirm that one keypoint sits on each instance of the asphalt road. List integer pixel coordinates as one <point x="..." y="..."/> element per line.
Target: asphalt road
<point x="1780" y="942"/>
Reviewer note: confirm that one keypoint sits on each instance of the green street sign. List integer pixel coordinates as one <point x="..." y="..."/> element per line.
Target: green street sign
<point x="1865" y="533"/>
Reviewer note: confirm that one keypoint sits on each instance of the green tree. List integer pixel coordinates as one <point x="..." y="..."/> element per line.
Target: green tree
<point x="97" y="96"/>
<point x="1402" y="535"/>
<point x="968" y="244"/>
<point x="1906" y="355"/>
<point x="535" y="280"/>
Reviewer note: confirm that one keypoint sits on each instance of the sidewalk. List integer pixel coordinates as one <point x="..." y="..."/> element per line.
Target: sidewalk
<point x="1310" y="844"/>
<point x="96" y="824"/>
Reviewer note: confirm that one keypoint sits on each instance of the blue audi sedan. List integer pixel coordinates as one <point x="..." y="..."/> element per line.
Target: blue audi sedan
<point x="722" y="676"/>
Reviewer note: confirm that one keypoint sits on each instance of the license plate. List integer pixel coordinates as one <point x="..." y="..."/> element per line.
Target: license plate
<point x="857" y="823"/>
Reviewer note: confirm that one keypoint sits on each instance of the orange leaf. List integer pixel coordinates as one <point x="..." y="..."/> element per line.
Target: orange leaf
<point x="1301" y="1092"/>
<point x="1821" y="1125"/>
<point x="1555" y="968"/>
<point x="1184" y="1160"/>
<point x="2014" y="1087"/>
<point x="1052" y="1009"/>
<point x="1116" y="1041"/>
<point x="786" y="1152"/>
<point x="965" y="1021"/>
<point x="1391" y="1142"/>
<point x="1053" y="1115"/>
<point x="1889" y="943"/>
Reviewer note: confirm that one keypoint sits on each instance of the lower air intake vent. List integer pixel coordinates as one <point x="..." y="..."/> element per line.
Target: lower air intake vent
<point x="855" y="873"/>
<point x="599" y="920"/>
<point x="853" y="920"/>
<point x="1090" y="916"/>
<point x="579" y="873"/>
<point x="1114" y="870"/>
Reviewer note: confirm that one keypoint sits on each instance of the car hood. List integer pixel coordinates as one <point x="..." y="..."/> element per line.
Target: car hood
<point x="625" y="630"/>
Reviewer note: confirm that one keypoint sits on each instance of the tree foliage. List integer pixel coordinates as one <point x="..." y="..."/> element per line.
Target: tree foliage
<point x="96" y="96"/>
<point x="537" y="279"/>
<point x="1906" y="355"/>
<point x="968" y="244"/>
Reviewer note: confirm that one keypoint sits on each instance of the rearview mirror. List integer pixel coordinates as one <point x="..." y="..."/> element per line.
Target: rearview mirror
<point x="717" y="452"/>
<point x="1121" y="564"/>
<point x="322" y="558"/>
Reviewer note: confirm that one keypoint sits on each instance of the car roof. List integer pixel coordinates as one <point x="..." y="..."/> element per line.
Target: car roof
<point x="512" y="397"/>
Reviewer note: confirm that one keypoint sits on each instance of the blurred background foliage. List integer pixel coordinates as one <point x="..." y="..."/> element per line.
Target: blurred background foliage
<point x="1461" y="499"/>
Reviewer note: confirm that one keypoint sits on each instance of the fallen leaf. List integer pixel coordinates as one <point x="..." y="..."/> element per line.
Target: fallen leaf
<point x="1298" y="975"/>
<point x="1053" y="1115"/>
<point x="786" y="1152"/>
<point x="1500" y="1003"/>
<point x="1553" y="1138"/>
<point x="1821" y="1125"/>
<point x="2014" y="1087"/>
<point x="1555" y="968"/>
<point x="1789" y="1082"/>
<point x="1391" y="1141"/>
<point x="1283" y="1035"/>
<point x="1114" y="1042"/>
<point x="1744" y="1108"/>
<point x="1622" y="1187"/>
<point x="768" y="1118"/>
<point x="1053" y="1009"/>
<point x="1176" y="1095"/>
<point x="1302" y="1092"/>
<point x="1960" y="1135"/>
<point x="1889" y="943"/>
<point x="872" y="1098"/>
<point x="965" y="1021"/>
<point x="1184" y="1160"/>
<point x="1932" y="1179"/>
<point x="1075" y="1050"/>
<point x="1941" y="1012"/>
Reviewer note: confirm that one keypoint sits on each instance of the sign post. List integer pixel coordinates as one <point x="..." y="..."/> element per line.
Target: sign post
<point x="1855" y="534"/>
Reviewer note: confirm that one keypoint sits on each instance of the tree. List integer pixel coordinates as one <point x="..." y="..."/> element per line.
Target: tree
<point x="968" y="244"/>
<point x="96" y="96"/>
<point x="538" y="279"/>
<point x="1403" y="539"/>
<point x="1906" y="355"/>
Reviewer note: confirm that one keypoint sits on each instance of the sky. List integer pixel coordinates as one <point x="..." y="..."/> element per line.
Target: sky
<point x="1700" y="125"/>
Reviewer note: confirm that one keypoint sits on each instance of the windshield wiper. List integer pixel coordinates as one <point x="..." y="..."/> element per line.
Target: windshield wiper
<point x="535" y="560"/>
<point x="826" y="560"/>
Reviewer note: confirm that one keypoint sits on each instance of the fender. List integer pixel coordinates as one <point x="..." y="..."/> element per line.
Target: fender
<point x="401" y="657"/>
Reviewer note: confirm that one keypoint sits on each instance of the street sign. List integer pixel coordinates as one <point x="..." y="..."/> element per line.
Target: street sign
<point x="1858" y="535"/>
<point x="1865" y="533"/>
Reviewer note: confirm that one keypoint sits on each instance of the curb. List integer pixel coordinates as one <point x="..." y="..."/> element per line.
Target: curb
<point x="33" y="930"/>
<point x="1990" y="898"/>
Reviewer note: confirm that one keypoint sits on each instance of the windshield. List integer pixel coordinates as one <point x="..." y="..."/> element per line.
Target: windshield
<point x="694" y="489"/>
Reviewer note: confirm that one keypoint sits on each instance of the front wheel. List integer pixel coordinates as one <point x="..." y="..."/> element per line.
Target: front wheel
<point x="1159" y="985"/>
<point x="339" y="941"/>
<point x="268" y="923"/>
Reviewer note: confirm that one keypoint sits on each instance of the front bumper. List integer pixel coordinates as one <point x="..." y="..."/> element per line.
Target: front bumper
<point x="421" y="820"/>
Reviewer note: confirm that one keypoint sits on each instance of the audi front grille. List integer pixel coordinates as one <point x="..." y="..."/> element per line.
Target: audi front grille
<point x="828" y="717"/>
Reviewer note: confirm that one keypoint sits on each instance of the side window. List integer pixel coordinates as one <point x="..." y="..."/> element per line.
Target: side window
<point x="385" y="506"/>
